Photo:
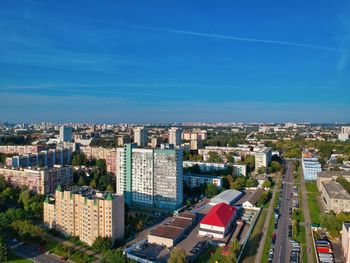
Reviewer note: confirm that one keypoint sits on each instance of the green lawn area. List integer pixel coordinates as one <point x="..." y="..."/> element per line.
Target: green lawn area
<point x="252" y="245"/>
<point x="311" y="187"/>
<point x="298" y="215"/>
<point x="301" y="236"/>
<point x="304" y="255"/>
<point x="210" y="255"/>
<point x="314" y="208"/>
<point x="13" y="258"/>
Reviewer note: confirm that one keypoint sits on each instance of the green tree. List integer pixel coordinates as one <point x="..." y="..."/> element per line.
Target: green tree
<point x="177" y="255"/>
<point x="234" y="250"/>
<point x="261" y="170"/>
<point x="238" y="183"/>
<point x="214" y="157"/>
<point x="262" y="199"/>
<point x="266" y="184"/>
<point x="3" y="251"/>
<point x="81" y="181"/>
<point x="211" y="190"/>
<point x="251" y="183"/>
<point x="93" y="184"/>
<point x="101" y="166"/>
<point x="115" y="256"/>
<point x="102" y="244"/>
<point x="275" y="166"/>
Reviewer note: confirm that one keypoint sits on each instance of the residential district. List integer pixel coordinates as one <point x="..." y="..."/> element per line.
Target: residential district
<point x="184" y="192"/>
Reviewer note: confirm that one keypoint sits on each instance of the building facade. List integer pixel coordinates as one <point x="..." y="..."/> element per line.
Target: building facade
<point x="175" y="136"/>
<point x="195" y="180"/>
<point x="151" y="177"/>
<point x="39" y="180"/>
<point x="311" y="167"/>
<point x="262" y="157"/>
<point x="345" y="241"/>
<point x="141" y="136"/>
<point x="85" y="213"/>
<point x="65" y="133"/>
<point x="239" y="169"/>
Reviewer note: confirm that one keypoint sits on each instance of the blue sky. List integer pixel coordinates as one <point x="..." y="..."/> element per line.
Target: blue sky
<point x="165" y="61"/>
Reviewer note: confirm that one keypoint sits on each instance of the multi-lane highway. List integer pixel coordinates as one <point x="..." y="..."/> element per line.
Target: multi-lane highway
<point x="282" y="245"/>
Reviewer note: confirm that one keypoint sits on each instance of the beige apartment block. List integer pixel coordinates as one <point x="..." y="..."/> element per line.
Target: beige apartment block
<point x="85" y="213"/>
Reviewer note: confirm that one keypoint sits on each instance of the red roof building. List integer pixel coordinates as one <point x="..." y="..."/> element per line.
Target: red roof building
<point x="218" y="221"/>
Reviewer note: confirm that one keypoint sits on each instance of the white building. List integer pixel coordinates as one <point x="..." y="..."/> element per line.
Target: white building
<point x="151" y="177"/>
<point x="175" y="136"/>
<point x="344" y="134"/>
<point x="65" y="133"/>
<point x="195" y="180"/>
<point x="240" y="169"/>
<point x="205" y="167"/>
<point x="141" y="136"/>
<point x="263" y="157"/>
<point x="311" y="167"/>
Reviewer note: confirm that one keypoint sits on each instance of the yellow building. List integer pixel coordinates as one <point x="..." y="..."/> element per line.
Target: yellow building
<point x="85" y="213"/>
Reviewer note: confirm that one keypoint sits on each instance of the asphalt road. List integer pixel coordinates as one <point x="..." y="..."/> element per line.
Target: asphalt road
<point x="32" y="252"/>
<point x="282" y="245"/>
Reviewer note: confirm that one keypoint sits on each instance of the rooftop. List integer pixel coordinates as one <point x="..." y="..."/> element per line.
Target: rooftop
<point x="167" y="232"/>
<point x="89" y="193"/>
<point x="336" y="191"/>
<point x="255" y="196"/>
<point x="220" y="215"/>
<point x="333" y="173"/>
<point x="228" y="196"/>
<point x="181" y="222"/>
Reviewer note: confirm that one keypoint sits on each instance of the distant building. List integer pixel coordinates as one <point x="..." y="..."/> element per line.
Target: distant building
<point x="240" y="169"/>
<point x="121" y="140"/>
<point x="175" y="136"/>
<point x="311" y="167"/>
<point x="155" y="142"/>
<point x="39" y="180"/>
<point x="65" y="133"/>
<point x="85" y="213"/>
<point x="111" y="162"/>
<point x="263" y="157"/>
<point x="151" y="177"/>
<point x="195" y="144"/>
<point x="195" y="180"/>
<point x="205" y="167"/>
<point x="344" y="134"/>
<point x="335" y="197"/>
<point x="21" y="149"/>
<point x="218" y="222"/>
<point x="345" y="241"/>
<point x="141" y="136"/>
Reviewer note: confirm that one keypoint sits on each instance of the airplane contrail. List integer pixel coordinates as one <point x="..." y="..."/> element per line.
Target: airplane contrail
<point x="256" y="40"/>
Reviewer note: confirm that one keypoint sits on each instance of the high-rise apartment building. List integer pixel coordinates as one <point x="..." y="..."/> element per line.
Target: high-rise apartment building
<point x="85" y="213"/>
<point x="141" y="136"/>
<point x="39" y="180"/>
<point x="263" y="157"/>
<point x="175" y="136"/>
<point x="344" y="135"/>
<point x="65" y="133"/>
<point x="151" y="177"/>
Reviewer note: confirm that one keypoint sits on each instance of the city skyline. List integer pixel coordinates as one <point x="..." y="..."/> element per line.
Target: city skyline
<point x="174" y="62"/>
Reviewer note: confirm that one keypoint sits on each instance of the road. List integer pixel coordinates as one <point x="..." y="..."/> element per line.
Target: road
<point x="32" y="252"/>
<point x="307" y="220"/>
<point x="282" y="245"/>
<point x="266" y="226"/>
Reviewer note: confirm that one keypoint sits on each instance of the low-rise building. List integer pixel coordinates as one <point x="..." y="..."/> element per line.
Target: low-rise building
<point x="335" y="197"/>
<point x="205" y="167"/>
<point x="253" y="198"/>
<point x="85" y="213"/>
<point x="311" y="167"/>
<point x="40" y="180"/>
<point x="345" y="241"/>
<point x="240" y="169"/>
<point x="218" y="222"/>
<point x="229" y="196"/>
<point x="195" y="180"/>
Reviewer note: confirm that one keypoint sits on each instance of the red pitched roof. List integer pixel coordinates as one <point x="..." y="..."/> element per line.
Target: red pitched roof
<point x="219" y="215"/>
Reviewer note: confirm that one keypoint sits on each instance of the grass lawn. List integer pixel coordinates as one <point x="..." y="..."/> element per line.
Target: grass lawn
<point x="13" y="258"/>
<point x="314" y="208"/>
<point x="298" y="215"/>
<point x="311" y="187"/>
<point x="304" y="255"/>
<point x="252" y="245"/>
<point x="211" y="255"/>
<point x="301" y="237"/>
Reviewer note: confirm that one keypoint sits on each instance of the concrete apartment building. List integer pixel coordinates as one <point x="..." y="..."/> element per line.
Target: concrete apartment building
<point x="141" y="136"/>
<point x="345" y="241"/>
<point x="195" y="180"/>
<point x="240" y="169"/>
<point x="263" y="157"/>
<point x="151" y="177"/>
<point x="344" y="134"/>
<point x="85" y="213"/>
<point x="175" y="136"/>
<point x="311" y="167"/>
<point x="39" y="180"/>
<point x="48" y="158"/>
<point x="205" y="167"/>
<point x="241" y="150"/>
<point x="21" y="149"/>
<point x="66" y="133"/>
<point x="334" y="196"/>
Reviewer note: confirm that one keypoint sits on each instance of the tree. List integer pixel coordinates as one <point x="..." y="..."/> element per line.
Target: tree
<point x="261" y="170"/>
<point x="93" y="184"/>
<point x="115" y="256"/>
<point x="266" y="184"/>
<point x="102" y="244"/>
<point x="214" y="157"/>
<point x="275" y="166"/>
<point x="340" y="159"/>
<point x="3" y="251"/>
<point x="177" y="255"/>
<point x="251" y="183"/>
<point x="262" y="199"/>
<point x="234" y="250"/>
<point x="81" y="181"/>
<point x="101" y="166"/>
<point x="211" y="190"/>
<point x="110" y="188"/>
<point x="238" y="183"/>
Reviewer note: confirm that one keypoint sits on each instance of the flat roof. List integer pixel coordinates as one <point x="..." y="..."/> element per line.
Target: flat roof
<point x="187" y="215"/>
<point x="335" y="190"/>
<point x="181" y="222"/>
<point x="333" y="173"/>
<point x="228" y="196"/>
<point x="167" y="232"/>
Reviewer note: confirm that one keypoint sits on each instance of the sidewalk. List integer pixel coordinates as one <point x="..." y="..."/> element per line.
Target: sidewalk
<point x="266" y="225"/>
